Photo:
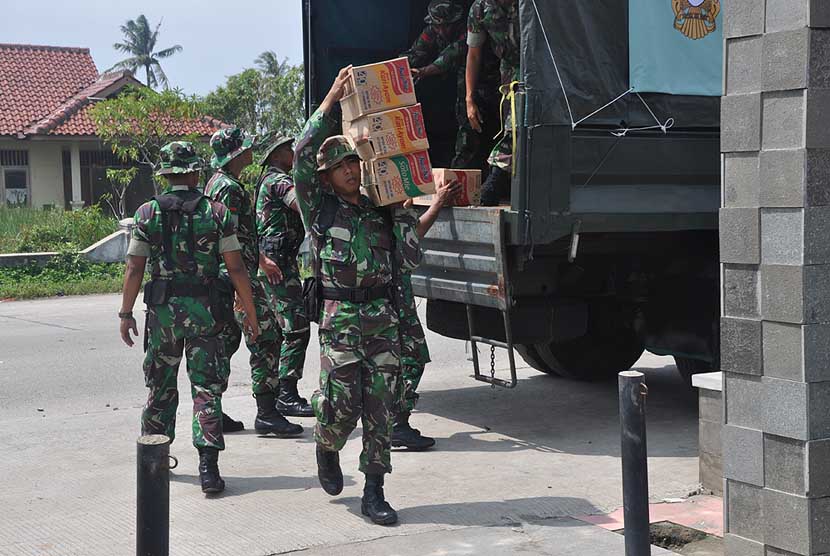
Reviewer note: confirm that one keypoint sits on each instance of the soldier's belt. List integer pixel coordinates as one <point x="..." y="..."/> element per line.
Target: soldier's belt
<point x="356" y="295"/>
<point x="187" y="290"/>
<point x="158" y="292"/>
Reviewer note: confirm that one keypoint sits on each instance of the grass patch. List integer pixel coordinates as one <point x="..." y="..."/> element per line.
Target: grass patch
<point x="27" y="230"/>
<point x="67" y="274"/>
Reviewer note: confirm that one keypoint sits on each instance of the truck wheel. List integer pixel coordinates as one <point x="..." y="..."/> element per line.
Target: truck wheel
<point x="688" y="367"/>
<point x="532" y="358"/>
<point x="610" y="346"/>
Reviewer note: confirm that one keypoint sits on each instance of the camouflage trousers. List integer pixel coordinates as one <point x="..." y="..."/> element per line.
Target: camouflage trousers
<point x="471" y="147"/>
<point x="266" y="349"/>
<point x="287" y="300"/>
<point x="358" y="381"/>
<point x="414" y="358"/>
<point x="186" y="327"/>
<point x="502" y="154"/>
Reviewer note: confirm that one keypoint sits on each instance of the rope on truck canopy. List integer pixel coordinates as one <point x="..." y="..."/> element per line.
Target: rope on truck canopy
<point x="620" y="132"/>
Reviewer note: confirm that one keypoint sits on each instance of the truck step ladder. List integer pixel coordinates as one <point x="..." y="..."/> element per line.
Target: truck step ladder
<point x="508" y="345"/>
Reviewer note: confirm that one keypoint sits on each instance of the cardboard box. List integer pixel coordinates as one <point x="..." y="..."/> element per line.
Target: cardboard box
<point x="390" y="133"/>
<point x="470" y="194"/>
<point x="377" y="88"/>
<point x="392" y="180"/>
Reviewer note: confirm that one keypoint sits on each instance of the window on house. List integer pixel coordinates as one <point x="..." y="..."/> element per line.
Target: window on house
<point x="16" y="187"/>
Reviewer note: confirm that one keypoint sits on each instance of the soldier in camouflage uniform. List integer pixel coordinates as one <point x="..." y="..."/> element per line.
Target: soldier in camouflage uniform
<point x="185" y="236"/>
<point x="281" y="232"/>
<point x="231" y="154"/>
<point x="414" y="349"/>
<point x="442" y="48"/>
<point x="495" y="22"/>
<point x="354" y="246"/>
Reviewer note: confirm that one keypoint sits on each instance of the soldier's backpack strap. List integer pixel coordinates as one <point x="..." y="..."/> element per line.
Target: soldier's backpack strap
<point x="174" y="207"/>
<point x="313" y="286"/>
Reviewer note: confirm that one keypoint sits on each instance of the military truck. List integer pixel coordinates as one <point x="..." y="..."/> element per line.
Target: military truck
<point x="609" y="245"/>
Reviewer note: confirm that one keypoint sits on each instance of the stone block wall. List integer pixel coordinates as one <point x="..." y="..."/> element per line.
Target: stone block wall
<point x="775" y="254"/>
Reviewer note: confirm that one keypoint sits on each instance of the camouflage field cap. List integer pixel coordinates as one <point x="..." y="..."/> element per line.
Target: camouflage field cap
<point x="444" y="12"/>
<point x="227" y="144"/>
<point x="279" y="141"/>
<point x="334" y="151"/>
<point x="179" y="157"/>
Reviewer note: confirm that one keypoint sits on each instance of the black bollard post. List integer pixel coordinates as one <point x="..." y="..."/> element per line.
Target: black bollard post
<point x="153" y="496"/>
<point x="634" y="462"/>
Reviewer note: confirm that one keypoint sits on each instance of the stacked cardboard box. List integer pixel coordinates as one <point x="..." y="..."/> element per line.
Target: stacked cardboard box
<point x="382" y="117"/>
<point x="469" y="180"/>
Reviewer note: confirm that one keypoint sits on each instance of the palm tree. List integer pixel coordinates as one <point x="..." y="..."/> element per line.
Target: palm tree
<point x="269" y="64"/>
<point x="140" y="43"/>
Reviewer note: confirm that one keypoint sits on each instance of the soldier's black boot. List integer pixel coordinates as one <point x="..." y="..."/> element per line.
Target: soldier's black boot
<point x="495" y="187"/>
<point x="209" y="471"/>
<point x="328" y="471"/>
<point x="289" y="401"/>
<point x="270" y="421"/>
<point x="231" y="425"/>
<point x="374" y="505"/>
<point x="404" y="436"/>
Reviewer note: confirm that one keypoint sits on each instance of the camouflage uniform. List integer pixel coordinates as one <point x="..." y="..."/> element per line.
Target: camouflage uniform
<point x="414" y="349"/>
<point x="281" y="232"/>
<point x="432" y="48"/>
<point x="184" y="324"/>
<point x="497" y="22"/>
<point x="359" y="342"/>
<point x="226" y="189"/>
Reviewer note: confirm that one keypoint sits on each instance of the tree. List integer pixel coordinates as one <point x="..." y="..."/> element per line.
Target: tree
<point x="270" y="65"/>
<point x="268" y="99"/>
<point x="140" y="43"/>
<point x="243" y="101"/>
<point x="139" y="122"/>
<point x="120" y="180"/>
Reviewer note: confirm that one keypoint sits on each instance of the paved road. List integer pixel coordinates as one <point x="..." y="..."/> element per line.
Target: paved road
<point x="70" y="396"/>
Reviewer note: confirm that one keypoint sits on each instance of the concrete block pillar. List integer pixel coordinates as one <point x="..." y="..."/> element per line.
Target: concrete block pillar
<point x="775" y="254"/>
<point x="77" y="201"/>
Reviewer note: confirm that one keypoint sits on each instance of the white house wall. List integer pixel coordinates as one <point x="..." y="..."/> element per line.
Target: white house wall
<point x="45" y="170"/>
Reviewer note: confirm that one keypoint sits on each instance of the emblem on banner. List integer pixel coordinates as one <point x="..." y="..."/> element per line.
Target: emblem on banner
<point x="695" y="18"/>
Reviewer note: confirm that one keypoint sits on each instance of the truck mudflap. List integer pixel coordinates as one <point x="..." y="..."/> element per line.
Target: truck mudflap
<point x="465" y="261"/>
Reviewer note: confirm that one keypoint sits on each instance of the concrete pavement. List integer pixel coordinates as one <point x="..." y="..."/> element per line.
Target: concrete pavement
<point x="510" y="467"/>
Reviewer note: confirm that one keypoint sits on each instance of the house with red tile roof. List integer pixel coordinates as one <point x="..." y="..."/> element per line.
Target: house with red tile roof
<point x="50" y="154"/>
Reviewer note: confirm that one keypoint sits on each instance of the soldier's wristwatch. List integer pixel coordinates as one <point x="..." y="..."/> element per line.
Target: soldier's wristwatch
<point x="127" y="315"/>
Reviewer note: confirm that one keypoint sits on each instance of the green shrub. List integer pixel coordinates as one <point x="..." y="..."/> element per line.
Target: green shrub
<point x="25" y="230"/>
<point x="66" y="274"/>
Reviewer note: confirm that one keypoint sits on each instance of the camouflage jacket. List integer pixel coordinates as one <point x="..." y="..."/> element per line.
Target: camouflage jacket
<point x="406" y="299"/>
<point x="274" y="216"/>
<point x="213" y="234"/>
<point x="432" y="48"/>
<point x="229" y="191"/>
<point x="497" y="22"/>
<point x="356" y="250"/>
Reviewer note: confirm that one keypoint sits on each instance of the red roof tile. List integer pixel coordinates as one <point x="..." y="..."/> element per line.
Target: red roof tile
<point x="48" y="90"/>
<point x="81" y="124"/>
<point x="36" y="80"/>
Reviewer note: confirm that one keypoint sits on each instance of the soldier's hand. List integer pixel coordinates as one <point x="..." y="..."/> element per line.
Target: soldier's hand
<point x="474" y="115"/>
<point x="338" y="88"/>
<point x="446" y="193"/>
<point x="271" y="270"/>
<point x="128" y="325"/>
<point x="252" y="327"/>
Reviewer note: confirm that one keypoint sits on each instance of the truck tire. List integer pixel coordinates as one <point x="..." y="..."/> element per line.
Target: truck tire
<point x="532" y="358"/>
<point x="610" y="345"/>
<point x="688" y="367"/>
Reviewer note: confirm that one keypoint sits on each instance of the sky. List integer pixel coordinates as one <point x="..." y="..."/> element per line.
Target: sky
<point x="219" y="38"/>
